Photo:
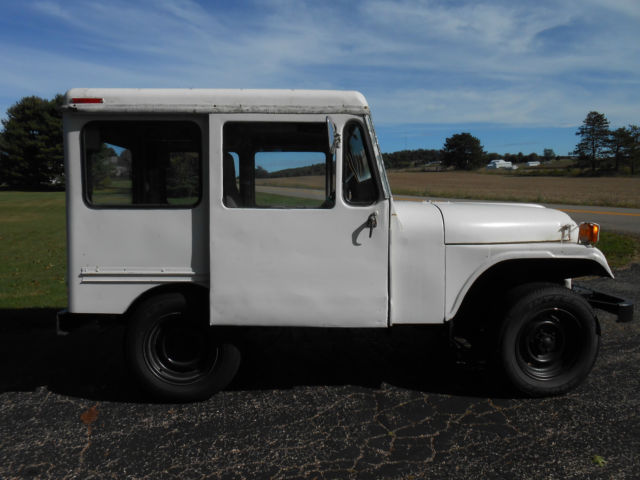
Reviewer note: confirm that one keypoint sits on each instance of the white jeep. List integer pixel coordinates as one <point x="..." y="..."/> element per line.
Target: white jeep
<point x="193" y="210"/>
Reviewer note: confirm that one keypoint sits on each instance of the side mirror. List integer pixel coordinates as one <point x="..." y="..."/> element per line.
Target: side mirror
<point x="334" y="136"/>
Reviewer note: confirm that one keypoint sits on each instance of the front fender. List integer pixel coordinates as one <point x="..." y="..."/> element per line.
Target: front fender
<point x="416" y="261"/>
<point x="466" y="264"/>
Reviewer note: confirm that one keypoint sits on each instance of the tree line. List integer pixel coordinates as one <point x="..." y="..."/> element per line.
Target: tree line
<point x="601" y="148"/>
<point x="315" y="169"/>
<point x="31" y="152"/>
<point x="461" y="150"/>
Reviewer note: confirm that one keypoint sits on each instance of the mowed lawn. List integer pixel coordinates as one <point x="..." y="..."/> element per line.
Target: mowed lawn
<point x="606" y="191"/>
<point x="32" y="250"/>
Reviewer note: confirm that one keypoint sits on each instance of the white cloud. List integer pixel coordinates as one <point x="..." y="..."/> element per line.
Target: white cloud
<point x="515" y="106"/>
<point x="418" y="61"/>
<point x="625" y="7"/>
<point x="53" y="9"/>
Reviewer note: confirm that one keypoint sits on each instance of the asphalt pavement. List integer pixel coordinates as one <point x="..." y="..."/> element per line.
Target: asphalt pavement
<point x="624" y="220"/>
<point x="315" y="404"/>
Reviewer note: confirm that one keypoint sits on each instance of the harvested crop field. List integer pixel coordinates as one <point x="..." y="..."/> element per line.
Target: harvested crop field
<point x="609" y="191"/>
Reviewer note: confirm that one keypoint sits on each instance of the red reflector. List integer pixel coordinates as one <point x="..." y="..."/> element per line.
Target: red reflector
<point x="86" y="100"/>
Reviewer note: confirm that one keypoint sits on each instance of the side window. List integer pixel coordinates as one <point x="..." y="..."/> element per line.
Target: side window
<point x="358" y="184"/>
<point x="142" y="163"/>
<point x="277" y="165"/>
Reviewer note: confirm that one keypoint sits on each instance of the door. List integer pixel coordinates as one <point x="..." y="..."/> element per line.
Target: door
<point x="299" y="235"/>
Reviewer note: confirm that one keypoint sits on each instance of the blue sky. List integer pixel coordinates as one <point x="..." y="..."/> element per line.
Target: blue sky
<point x="519" y="75"/>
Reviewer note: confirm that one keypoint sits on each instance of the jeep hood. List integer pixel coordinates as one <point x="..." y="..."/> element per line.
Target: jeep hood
<point x="483" y="223"/>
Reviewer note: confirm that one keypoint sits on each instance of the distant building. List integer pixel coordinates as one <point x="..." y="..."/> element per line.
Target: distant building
<point x="499" y="163"/>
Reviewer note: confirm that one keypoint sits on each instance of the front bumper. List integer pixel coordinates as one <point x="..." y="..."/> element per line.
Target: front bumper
<point x="618" y="306"/>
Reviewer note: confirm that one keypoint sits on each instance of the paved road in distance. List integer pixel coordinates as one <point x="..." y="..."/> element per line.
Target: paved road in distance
<point x="625" y="220"/>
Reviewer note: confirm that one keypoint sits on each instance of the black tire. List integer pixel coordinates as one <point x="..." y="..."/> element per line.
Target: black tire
<point x="548" y="341"/>
<point x="174" y="353"/>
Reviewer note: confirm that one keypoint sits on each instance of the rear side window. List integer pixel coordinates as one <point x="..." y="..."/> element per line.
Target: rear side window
<point x="142" y="163"/>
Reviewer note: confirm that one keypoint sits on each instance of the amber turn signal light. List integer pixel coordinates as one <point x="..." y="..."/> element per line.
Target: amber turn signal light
<point x="589" y="233"/>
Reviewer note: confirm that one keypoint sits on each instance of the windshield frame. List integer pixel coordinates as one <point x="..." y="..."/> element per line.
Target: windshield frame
<point x="386" y="188"/>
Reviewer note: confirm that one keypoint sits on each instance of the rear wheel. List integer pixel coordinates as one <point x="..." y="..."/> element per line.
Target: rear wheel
<point x="549" y="341"/>
<point x="173" y="351"/>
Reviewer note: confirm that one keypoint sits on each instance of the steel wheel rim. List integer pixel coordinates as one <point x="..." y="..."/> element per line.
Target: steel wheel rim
<point x="177" y="350"/>
<point x="549" y="344"/>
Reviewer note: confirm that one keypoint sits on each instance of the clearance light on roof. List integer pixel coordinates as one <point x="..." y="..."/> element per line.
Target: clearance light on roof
<point x="87" y="100"/>
<point x="589" y="233"/>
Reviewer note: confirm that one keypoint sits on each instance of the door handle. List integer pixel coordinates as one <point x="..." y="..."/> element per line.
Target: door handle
<point x="372" y="222"/>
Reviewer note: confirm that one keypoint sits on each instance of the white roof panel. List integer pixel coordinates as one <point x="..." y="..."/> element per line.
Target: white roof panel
<point x="216" y="100"/>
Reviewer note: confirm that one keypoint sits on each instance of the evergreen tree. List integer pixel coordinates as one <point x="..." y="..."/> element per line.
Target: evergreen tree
<point x="618" y="145"/>
<point x="595" y="139"/>
<point x="632" y="147"/>
<point x="31" y="153"/>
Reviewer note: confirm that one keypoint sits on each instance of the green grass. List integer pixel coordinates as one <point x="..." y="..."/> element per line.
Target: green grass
<point x="117" y="193"/>
<point x="120" y="192"/>
<point x="282" y="201"/>
<point x="619" y="249"/>
<point x="33" y="247"/>
<point x="32" y="250"/>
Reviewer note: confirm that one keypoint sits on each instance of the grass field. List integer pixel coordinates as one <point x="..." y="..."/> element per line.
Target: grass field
<point x="620" y="250"/>
<point x="315" y="182"/>
<point x="33" y="255"/>
<point x="32" y="250"/>
<point x="605" y="191"/>
<point x="271" y="200"/>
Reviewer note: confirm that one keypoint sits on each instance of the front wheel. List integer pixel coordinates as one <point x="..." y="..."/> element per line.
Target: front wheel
<point x="173" y="351"/>
<point x="549" y="341"/>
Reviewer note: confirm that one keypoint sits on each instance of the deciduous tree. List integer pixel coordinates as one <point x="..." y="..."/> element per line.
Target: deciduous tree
<point x="261" y="172"/>
<point x="549" y="154"/>
<point x="463" y="151"/>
